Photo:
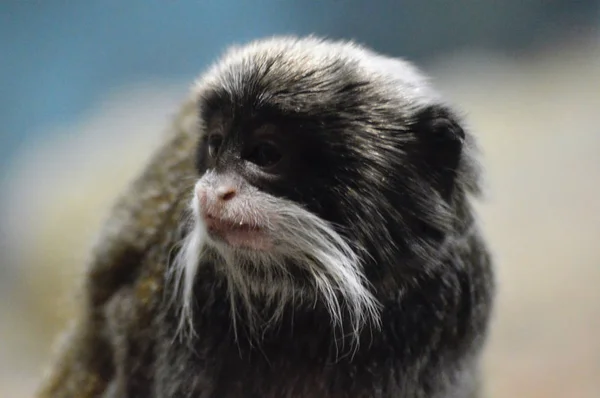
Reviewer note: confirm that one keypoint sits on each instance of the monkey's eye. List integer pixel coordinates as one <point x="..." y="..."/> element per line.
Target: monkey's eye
<point x="214" y="143"/>
<point x="265" y="154"/>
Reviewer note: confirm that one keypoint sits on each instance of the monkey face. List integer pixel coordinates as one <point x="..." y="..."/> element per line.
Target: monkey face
<point x="235" y="197"/>
<point x="323" y="168"/>
<point x="259" y="204"/>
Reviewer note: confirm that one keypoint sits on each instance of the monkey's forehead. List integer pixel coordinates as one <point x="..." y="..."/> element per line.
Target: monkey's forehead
<point x="311" y="61"/>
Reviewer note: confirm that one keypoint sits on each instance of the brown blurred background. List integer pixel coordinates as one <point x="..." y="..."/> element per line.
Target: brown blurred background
<point x="88" y="88"/>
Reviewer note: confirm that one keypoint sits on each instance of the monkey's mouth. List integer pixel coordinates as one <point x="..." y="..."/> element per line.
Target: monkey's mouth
<point x="236" y="234"/>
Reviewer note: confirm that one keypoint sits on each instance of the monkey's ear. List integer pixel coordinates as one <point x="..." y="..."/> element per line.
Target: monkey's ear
<point x="439" y="139"/>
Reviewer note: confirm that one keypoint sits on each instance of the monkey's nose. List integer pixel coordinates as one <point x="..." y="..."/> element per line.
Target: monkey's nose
<point x="226" y="192"/>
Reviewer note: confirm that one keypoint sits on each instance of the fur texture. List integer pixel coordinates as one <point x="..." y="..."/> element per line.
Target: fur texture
<point x="377" y="282"/>
<point x="303" y="240"/>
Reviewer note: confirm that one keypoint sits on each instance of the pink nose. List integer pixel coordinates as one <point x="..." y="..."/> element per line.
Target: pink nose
<point x="212" y="198"/>
<point x="225" y="192"/>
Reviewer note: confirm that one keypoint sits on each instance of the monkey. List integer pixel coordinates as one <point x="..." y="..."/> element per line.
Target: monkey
<point x="306" y="229"/>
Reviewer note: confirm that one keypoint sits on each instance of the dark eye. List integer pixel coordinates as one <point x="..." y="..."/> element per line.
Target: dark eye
<point x="214" y="143"/>
<point x="265" y="154"/>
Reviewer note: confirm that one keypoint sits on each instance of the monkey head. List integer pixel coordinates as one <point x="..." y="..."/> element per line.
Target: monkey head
<point x="327" y="175"/>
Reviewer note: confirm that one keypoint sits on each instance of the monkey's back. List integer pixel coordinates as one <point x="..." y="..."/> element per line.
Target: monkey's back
<point x="123" y="285"/>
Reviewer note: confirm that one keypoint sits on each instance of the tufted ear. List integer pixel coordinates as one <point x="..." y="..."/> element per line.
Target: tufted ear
<point x="439" y="140"/>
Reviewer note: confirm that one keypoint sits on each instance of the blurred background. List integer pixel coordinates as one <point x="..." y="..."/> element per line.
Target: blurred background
<point x="86" y="88"/>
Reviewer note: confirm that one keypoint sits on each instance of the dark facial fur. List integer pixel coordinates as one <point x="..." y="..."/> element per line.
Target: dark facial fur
<point x="362" y="143"/>
<point x="372" y="279"/>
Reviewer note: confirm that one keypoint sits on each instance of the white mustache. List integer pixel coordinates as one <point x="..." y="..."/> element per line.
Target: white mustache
<point x="334" y="267"/>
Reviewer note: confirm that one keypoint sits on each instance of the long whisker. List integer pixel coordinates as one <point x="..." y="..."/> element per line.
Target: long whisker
<point x="302" y="239"/>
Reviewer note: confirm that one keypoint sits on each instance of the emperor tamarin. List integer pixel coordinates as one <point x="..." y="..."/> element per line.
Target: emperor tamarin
<point x="305" y="230"/>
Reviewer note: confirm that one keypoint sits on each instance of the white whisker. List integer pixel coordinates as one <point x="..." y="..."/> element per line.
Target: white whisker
<point x="262" y="280"/>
